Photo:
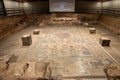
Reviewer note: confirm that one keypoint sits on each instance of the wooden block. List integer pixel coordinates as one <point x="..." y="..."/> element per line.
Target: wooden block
<point x="36" y="32"/>
<point x="104" y="41"/>
<point x="26" y="40"/>
<point x="92" y="30"/>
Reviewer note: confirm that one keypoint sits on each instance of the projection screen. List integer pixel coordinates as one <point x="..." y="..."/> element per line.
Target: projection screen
<point x="62" y="5"/>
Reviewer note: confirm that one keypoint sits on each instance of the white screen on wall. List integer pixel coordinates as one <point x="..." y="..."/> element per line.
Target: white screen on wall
<point x="62" y="5"/>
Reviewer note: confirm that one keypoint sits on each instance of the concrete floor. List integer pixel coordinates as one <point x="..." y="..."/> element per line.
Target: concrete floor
<point x="74" y="54"/>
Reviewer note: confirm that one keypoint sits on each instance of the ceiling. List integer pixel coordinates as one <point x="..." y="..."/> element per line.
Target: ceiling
<point x="48" y="0"/>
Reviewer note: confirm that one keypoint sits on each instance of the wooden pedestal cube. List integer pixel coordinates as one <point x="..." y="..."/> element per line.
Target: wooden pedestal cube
<point x="79" y="23"/>
<point x="36" y="32"/>
<point x="26" y="40"/>
<point x="105" y="41"/>
<point x="92" y="30"/>
<point x="86" y="24"/>
<point x="41" y="24"/>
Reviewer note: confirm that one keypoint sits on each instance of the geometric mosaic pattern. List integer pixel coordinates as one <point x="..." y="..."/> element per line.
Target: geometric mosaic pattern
<point x="71" y="52"/>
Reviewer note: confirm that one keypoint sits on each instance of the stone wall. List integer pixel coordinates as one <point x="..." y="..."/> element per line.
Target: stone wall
<point x="111" y="23"/>
<point x="58" y="15"/>
<point x="75" y="15"/>
<point x="36" y="19"/>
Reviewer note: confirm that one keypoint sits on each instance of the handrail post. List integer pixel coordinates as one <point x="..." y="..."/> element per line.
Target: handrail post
<point x="3" y="7"/>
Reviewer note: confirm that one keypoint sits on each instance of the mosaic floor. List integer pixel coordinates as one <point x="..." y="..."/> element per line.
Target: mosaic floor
<point x="74" y="54"/>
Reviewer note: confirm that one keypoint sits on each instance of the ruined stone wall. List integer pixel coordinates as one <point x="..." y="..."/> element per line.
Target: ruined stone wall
<point x="9" y="25"/>
<point x="93" y="17"/>
<point x="111" y="23"/>
<point x="10" y="69"/>
<point x="55" y="15"/>
<point x="76" y="15"/>
<point x="36" y="19"/>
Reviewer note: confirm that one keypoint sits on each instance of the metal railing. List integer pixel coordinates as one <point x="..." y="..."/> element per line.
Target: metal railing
<point x="113" y="12"/>
<point x="13" y="12"/>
